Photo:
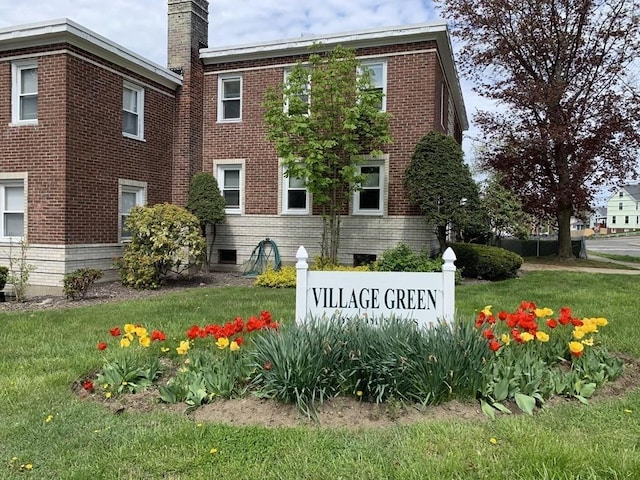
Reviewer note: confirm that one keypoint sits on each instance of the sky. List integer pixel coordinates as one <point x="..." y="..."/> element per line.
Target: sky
<point x="141" y="25"/>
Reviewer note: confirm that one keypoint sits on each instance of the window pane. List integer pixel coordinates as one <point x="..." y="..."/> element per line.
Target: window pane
<point x="123" y="229"/>
<point x="231" y="88"/>
<point x="29" y="107"/>
<point x="371" y="176"/>
<point x="297" y="199"/>
<point x="370" y="199"/>
<point x="232" y="197"/>
<point x="13" y="224"/>
<point x="127" y="202"/>
<point x="130" y="100"/>
<point x="14" y="199"/>
<point x="231" y="108"/>
<point x="375" y="74"/>
<point x="232" y="179"/>
<point x="29" y="83"/>
<point x="130" y="123"/>
<point x="295" y="182"/>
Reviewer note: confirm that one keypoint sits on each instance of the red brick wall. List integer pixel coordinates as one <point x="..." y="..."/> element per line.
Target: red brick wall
<point x="76" y="153"/>
<point x="413" y="98"/>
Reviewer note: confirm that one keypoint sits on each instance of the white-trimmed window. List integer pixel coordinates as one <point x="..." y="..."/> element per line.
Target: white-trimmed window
<point x="12" y="208"/>
<point x="133" y="111"/>
<point x="295" y="195"/>
<point x="131" y="194"/>
<point x="24" y="92"/>
<point x="304" y="96"/>
<point x="230" y="181"/>
<point x="378" y="76"/>
<point x="230" y="98"/>
<point x="370" y="196"/>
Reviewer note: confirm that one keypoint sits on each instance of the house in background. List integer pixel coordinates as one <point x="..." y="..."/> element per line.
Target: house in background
<point x="623" y="209"/>
<point x="89" y="129"/>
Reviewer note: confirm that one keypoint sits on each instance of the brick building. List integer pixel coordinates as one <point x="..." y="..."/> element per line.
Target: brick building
<point x="89" y="129"/>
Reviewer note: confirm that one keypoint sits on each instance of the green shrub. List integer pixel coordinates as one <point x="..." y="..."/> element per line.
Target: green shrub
<point x="285" y="277"/>
<point x="488" y="263"/>
<point x="78" y="282"/>
<point x="403" y="259"/>
<point x="4" y="272"/>
<point x="165" y="238"/>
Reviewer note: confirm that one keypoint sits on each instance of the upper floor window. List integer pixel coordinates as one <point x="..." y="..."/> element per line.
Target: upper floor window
<point x="133" y="111"/>
<point x="295" y="196"/>
<point x="369" y="198"/>
<point x="12" y="203"/>
<point x="613" y="219"/>
<point x="626" y="219"/>
<point x="230" y="98"/>
<point x="298" y="102"/>
<point x="230" y="183"/>
<point x="131" y="194"/>
<point x="378" y="76"/>
<point x="621" y="194"/>
<point x="24" y="92"/>
<point x="620" y="206"/>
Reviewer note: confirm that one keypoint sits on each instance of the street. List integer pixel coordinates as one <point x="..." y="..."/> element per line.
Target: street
<point x="615" y="245"/>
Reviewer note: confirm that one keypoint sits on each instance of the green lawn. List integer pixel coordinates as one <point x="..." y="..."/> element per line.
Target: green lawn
<point x="43" y="353"/>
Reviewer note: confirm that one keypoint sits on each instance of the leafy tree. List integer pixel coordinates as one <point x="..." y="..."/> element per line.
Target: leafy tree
<point x="503" y="211"/>
<point x="165" y="238"/>
<point x="560" y="70"/>
<point x="439" y="183"/>
<point x="207" y="203"/>
<point x="323" y="120"/>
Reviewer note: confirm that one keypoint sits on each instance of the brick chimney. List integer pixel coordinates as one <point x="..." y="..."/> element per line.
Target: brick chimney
<point x="188" y="26"/>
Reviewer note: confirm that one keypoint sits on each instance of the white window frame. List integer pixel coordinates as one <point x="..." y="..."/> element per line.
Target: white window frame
<point x="13" y="180"/>
<point x="367" y="64"/>
<point x="16" y="92"/>
<point x="223" y="166"/>
<point x="140" y="191"/>
<point x="139" y="91"/>
<point x="287" y="72"/>
<point x="383" y="186"/>
<point x="284" y="192"/>
<point x="221" y="98"/>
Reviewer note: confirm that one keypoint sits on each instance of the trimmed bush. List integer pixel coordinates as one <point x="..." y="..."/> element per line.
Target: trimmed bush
<point x="78" y="282"/>
<point x="488" y="263"/>
<point x="403" y="259"/>
<point x="285" y="277"/>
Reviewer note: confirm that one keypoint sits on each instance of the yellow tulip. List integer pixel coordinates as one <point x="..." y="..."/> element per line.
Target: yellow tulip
<point x="234" y="347"/>
<point x="183" y="348"/>
<point x="125" y="342"/>
<point x="505" y="338"/>
<point x="576" y="348"/>
<point x="578" y="333"/>
<point x="141" y="332"/>
<point x="542" y="337"/>
<point x="487" y="310"/>
<point x="129" y="328"/>
<point x="601" y="322"/>
<point x="144" y="341"/>
<point x="526" y="337"/>
<point x="222" y="343"/>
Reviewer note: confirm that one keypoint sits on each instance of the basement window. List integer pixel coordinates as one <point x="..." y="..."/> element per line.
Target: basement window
<point x="360" y="259"/>
<point x="228" y="257"/>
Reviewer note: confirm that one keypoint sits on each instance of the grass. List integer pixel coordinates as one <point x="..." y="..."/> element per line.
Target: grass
<point x="43" y="353"/>
<point x="613" y="256"/>
<point x="577" y="262"/>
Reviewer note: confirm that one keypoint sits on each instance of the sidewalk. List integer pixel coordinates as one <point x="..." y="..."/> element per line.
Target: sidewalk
<point x="633" y="268"/>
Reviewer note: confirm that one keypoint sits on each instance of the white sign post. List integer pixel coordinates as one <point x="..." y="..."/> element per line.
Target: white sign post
<point x="423" y="297"/>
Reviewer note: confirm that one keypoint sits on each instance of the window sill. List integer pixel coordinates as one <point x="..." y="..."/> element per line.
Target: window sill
<point x="231" y="120"/>
<point x="291" y="213"/>
<point x="24" y="123"/>
<point x="360" y="213"/>
<point x="133" y="137"/>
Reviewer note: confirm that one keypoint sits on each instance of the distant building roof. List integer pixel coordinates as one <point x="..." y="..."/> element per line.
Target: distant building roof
<point x="632" y="190"/>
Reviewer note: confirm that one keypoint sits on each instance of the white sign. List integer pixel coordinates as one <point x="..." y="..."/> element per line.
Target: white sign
<point x="423" y="297"/>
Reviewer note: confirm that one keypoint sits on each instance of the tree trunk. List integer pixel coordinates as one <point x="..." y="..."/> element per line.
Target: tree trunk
<point x="441" y="233"/>
<point x="564" y="232"/>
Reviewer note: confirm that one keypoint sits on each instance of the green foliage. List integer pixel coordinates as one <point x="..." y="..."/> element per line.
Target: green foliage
<point x="308" y="364"/>
<point x="403" y="259"/>
<point x="129" y="374"/>
<point x="322" y="142"/>
<point x="488" y="263"/>
<point x="207" y="375"/>
<point x="503" y="212"/>
<point x="165" y="238"/>
<point x="4" y="272"/>
<point x="440" y="184"/>
<point x="205" y="200"/>
<point x="284" y="277"/>
<point x="78" y="282"/>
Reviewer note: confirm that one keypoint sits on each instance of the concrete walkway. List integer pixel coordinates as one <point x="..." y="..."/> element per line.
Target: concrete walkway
<point x="633" y="268"/>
